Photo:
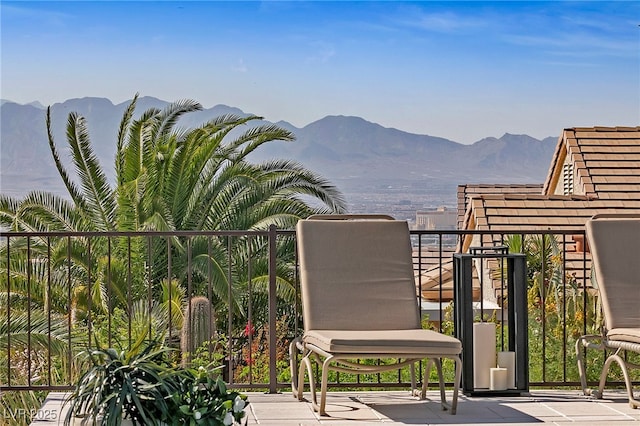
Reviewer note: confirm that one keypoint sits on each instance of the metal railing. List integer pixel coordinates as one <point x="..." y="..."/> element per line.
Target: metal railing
<point x="61" y="292"/>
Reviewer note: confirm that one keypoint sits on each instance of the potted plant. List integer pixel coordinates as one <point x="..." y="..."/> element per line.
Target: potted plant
<point x="132" y="385"/>
<point x="144" y="386"/>
<point x="204" y="399"/>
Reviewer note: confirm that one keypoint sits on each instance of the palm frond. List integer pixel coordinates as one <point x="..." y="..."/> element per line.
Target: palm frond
<point x="257" y="136"/>
<point x="215" y="270"/>
<point x="284" y="288"/>
<point x="290" y="177"/>
<point x="172" y="113"/>
<point x="160" y="220"/>
<point x="217" y="204"/>
<point x="98" y="194"/>
<point x="122" y="132"/>
<point x="139" y="139"/>
<point x="131" y="213"/>
<point x="9" y="219"/>
<point x="180" y="179"/>
<point x="35" y="329"/>
<point x="32" y="283"/>
<point x="48" y="212"/>
<point x="74" y="193"/>
<point x="210" y="139"/>
<point x="245" y="196"/>
<point x="173" y="297"/>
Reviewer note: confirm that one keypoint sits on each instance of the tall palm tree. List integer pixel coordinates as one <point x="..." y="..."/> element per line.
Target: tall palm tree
<point x="167" y="179"/>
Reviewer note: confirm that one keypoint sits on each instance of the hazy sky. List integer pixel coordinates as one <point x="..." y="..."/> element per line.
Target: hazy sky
<point x="460" y="70"/>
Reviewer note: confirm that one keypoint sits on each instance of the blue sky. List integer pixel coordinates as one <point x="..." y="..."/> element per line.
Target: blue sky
<point x="460" y="70"/>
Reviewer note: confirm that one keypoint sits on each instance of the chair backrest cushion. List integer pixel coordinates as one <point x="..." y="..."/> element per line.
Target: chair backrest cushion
<point x="614" y="243"/>
<point x="357" y="275"/>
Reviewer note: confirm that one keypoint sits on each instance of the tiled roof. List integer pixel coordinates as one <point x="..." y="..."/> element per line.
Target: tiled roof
<point x="606" y="179"/>
<point x="540" y="212"/>
<point x="606" y="162"/>
<point x="465" y="192"/>
<point x="599" y="167"/>
<point x="512" y="213"/>
<point x="517" y="212"/>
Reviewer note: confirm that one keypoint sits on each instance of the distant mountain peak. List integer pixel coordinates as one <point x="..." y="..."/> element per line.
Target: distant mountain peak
<point x="348" y="150"/>
<point x="35" y="104"/>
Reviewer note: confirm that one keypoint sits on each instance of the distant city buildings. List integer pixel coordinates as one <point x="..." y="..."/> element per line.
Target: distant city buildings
<point x="441" y="218"/>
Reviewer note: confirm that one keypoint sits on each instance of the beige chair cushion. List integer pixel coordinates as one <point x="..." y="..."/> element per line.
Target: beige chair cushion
<point x="624" y="334"/>
<point x="357" y="275"/>
<point x="614" y="244"/>
<point x="418" y="342"/>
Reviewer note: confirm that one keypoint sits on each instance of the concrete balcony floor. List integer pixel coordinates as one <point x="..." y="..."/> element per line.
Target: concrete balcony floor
<point x="561" y="407"/>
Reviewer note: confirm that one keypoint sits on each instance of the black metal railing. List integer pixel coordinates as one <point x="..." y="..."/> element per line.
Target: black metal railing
<point x="61" y="292"/>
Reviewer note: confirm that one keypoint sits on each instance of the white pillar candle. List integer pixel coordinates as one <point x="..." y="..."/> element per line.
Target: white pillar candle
<point x="508" y="360"/>
<point x="484" y="353"/>
<point x="498" y="379"/>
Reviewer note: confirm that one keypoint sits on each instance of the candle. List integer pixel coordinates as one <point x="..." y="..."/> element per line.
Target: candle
<point x="498" y="379"/>
<point x="484" y="353"/>
<point x="508" y="361"/>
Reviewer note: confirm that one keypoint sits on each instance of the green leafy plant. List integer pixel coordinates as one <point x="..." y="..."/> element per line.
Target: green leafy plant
<point x="145" y="384"/>
<point x="212" y="352"/>
<point x="203" y="399"/>
<point x="134" y="383"/>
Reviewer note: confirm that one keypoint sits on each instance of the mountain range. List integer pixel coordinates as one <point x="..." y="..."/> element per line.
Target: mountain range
<point x="358" y="156"/>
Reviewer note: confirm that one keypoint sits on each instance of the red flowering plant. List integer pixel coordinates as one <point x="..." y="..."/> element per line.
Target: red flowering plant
<point x="255" y="352"/>
<point x="249" y="329"/>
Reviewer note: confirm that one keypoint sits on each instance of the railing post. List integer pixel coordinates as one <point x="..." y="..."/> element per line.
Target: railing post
<point x="273" y="376"/>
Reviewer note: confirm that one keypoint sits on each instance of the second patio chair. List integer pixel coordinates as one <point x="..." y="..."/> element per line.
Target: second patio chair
<point x="613" y="242"/>
<point x="359" y="302"/>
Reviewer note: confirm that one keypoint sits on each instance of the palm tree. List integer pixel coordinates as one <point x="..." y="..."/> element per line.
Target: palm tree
<point x="166" y="179"/>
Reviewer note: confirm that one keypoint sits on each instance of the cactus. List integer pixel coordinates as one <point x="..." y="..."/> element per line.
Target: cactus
<point x="197" y="327"/>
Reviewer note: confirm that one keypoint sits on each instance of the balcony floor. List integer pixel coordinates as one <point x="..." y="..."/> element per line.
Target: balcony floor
<point x="399" y="408"/>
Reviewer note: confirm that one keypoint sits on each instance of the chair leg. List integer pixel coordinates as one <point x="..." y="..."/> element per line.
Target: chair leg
<point x="419" y="393"/>
<point x="412" y="373"/>
<point x="443" y="395"/>
<point x="306" y="362"/>
<point x="456" y="384"/>
<point x="633" y="403"/>
<point x="582" y="372"/>
<point x="583" y="342"/>
<point x="323" y="386"/>
<point x="425" y="380"/>
<point x="293" y="366"/>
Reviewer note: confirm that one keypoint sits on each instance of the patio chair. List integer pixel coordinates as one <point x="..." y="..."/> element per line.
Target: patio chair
<point x="359" y="302"/>
<point x="613" y="242"/>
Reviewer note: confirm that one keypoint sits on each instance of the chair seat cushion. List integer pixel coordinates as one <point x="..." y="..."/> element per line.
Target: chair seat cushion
<point x="392" y="342"/>
<point x="624" y="334"/>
